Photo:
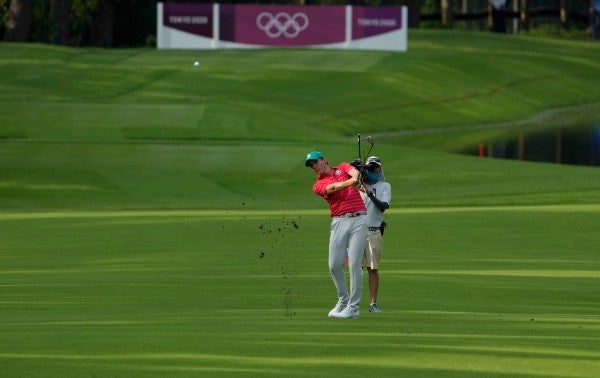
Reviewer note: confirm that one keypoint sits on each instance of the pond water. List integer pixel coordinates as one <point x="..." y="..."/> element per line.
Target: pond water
<point x="580" y="146"/>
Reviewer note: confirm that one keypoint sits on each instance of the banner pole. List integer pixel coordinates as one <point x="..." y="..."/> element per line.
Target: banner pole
<point x="348" y="26"/>
<point x="216" y="28"/>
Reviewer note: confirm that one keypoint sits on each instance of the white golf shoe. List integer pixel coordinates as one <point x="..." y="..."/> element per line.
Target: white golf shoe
<point x="339" y="307"/>
<point x="347" y="313"/>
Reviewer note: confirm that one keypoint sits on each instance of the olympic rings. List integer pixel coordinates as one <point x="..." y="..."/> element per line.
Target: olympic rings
<point x="282" y="24"/>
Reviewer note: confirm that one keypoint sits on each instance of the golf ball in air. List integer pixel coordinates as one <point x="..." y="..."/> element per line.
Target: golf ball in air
<point x="196" y="64"/>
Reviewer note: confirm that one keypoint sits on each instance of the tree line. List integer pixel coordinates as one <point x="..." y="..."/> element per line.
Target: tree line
<point x="101" y="23"/>
<point x="121" y="23"/>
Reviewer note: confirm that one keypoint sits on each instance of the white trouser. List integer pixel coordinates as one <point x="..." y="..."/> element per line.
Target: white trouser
<point x="347" y="234"/>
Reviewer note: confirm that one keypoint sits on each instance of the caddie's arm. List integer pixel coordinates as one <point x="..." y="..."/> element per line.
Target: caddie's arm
<point x="380" y="204"/>
<point x="337" y="186"/>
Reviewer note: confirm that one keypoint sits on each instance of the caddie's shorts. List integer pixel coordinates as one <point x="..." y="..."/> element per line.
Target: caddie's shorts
<point x="373" y="249"/>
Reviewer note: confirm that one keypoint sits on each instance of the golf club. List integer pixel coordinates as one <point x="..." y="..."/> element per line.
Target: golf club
<point x="371" y="142"/>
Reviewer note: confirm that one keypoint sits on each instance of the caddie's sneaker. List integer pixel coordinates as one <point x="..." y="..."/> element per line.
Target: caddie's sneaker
<point x="348" y="312"/>
<point x="374" y="308"/>
<point x="337" y="309"/>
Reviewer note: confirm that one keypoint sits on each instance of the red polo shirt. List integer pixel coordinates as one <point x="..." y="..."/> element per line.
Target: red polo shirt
<point x="344" y="201"/>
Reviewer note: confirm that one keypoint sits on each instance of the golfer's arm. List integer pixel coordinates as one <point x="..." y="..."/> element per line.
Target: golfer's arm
<point x="336" y="187"/>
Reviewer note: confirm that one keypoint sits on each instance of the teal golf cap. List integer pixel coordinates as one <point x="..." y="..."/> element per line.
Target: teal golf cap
<point x="313" y="155"/>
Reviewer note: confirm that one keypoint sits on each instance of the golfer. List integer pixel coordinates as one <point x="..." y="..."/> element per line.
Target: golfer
<point x="338" y="186"/>
<point x="377" y="194"/>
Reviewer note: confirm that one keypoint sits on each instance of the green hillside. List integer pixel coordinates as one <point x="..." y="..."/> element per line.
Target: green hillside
<point x="141" y="128"/>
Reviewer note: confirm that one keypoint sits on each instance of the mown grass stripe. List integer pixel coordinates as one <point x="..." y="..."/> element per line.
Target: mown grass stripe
<point x="291" y="212"/>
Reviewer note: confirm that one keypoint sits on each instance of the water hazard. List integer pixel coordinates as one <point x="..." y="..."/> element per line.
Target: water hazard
<point x="579" y="146"/>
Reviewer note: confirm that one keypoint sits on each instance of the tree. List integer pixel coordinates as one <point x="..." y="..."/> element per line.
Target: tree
<point x="60" y="11"/>
<point x="524" y="10"/>
<point x="498" y="15"/>
<point x="414" y="12"/>
<point x="447" y="12"/>
<point x="18" y="22"/>
<point x="595" y="18"/>
<point x="102" y="29"/>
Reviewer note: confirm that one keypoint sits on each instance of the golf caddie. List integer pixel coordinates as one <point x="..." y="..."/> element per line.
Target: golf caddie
<point x="339" y="187"/>
<point x="377" y="194"/>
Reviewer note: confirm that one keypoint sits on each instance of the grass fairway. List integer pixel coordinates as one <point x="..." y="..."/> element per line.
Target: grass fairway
<point x="156" y="219"/>
<point x="497" y="292"/>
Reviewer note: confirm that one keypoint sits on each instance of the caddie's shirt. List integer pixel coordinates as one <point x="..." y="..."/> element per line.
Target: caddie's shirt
<point x="344" y="201"/>
<point x="383" y="192"/>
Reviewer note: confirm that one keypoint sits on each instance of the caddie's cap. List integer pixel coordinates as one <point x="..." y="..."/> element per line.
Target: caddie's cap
<point x="373" y="160"/>
<point x="313" y="155"/>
